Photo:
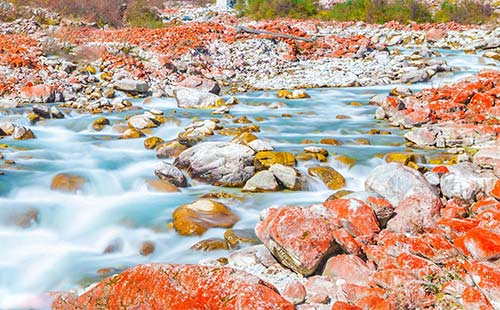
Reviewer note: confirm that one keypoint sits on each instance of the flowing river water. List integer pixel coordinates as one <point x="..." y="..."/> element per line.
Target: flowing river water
<point x="63" y="246"/>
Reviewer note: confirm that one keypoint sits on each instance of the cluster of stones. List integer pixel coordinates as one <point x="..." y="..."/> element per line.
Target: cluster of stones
<point x="464" y="113"/>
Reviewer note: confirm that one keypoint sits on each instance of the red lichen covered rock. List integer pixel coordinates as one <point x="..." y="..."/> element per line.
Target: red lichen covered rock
<point x="487" y="277"/>
<point x="350" y="268"/>
<point x="356" y="217"/>
<point x="482" y="243"/>
<point x="162" y="286"/>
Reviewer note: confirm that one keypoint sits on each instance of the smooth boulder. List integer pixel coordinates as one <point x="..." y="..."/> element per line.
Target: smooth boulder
<point x="218" y="163"/>
<point x="190" y="98"/>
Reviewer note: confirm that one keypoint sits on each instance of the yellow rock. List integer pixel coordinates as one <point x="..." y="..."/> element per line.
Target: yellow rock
<point x="33" y="118"/>
<point x="284" y="93"/>
<point x="197" y="217"/>
<point x="91" y="70"/>
<point x="264" y="160"/>
<point x="151" y="142"/>
<point x="236" y="236"/>
<point x="330" y="141"/>
<point x="404" y="158"/>
<point x="363" y="141"/>
<point x="67" y="182"/>
<point x="349" y="161"/>
<point x="310" y="156"/>
<point x="161" y="186"/>
<point x="212" y="244"/>
<point x="99" y="123"/>
<point x="356" y="104"/>
<point x="107" y="76"/>
<point x="245" y="138"/>
<point x="331" y="177"/>
<point x="131" y="133"/>
<point x="339" y="194"/>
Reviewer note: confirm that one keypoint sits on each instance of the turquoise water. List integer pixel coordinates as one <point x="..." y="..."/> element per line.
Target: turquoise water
<point x="63" y="249"/>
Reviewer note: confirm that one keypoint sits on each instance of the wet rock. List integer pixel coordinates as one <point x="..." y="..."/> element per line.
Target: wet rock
<point x="132" y="86"/>
<point x="414" y="76"/>
<point x="329" y="176"/>
<point x="288" y="177"/>
<point x="24" y="218"/>
<point x="41" y="110"/>
<point x="218" y="163"/>
<point x="199" y="216"/>
<point x="65" y="182"/>
<point x="152" y="142"/>
<point x="262" y="181"/>
<point x="55" y="113"/>
<point x="196" y="99"/>
<point x="393" y="181"/>
<point x="172" y="174"/>
<point x="212" y="244"/>
<point x="236" y="236"/>
<point x="264" y="160"/>
<point x="131" y="133"/>
<point x="350" y="268"/>
<point x="170" y="149"/>
<point x="183" y="287"/>
<point x="162" y="186"/>
<point x="100" y="123"/>
<point x="244" y="138"/>
<point x="7" y="128"/>
<point x="22" y="133"/>
<point x="142" y="121"/>
<point x="200" y="84"/>
<point x="147" y="248"/>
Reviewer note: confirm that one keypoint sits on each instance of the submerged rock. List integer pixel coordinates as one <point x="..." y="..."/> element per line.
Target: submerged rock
<point x="65" y="182"/>
<point x="163" y="286"/>
<point x="197" y="217"/>
<point x="218" y="163"/>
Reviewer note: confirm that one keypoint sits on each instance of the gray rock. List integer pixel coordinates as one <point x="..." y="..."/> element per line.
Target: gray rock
<point x="421" y="137"/>
<point x="142" y="121"/>
<point x="465" y="183"/>
<point x="259" y="145"/>
<point x="172" y="174"/>
<point x="262" y="181"/>
<point x="55" y="113"/>
<point x="218" y="163"/>
<point x="288" y="176"/>
<point x="132" y="86"/>
<point x="201" y="84"/>
<point x="392" y="181"/>
<point x="190" y="98"/>
<point x="6" y="128"/>
<point x="41" y="110"/>
<point x="22" y="133"/>
<point x="415" y="76"/>
<point x="378" y="100"/>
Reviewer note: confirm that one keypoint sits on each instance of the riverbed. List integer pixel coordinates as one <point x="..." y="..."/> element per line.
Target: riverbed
<point x="63" y="237"/>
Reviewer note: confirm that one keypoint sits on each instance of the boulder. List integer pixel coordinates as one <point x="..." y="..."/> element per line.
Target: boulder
<point x="465" y="183"/>
<point x="152" y="142"/>
<point x="487" y="277"/>
<point x="262" y="181"/>
<point x="354" y="216"/>
<point x="200" y="84"/>
<point x="142" y="121"/>
<point x="172" y="174"/>
<point x="329" y="176"/>
<point x="7" y="128"/>
<point x="41" y="110"/>
<point x="259" y="145"/>
<point x="197" y="217"/>
<point x="393" y="181"/>
<point x="350" y="268"/>
<point x="482" y="243"/>
<point x="212" y="244"/>
<point x="288" y="177"/>
<point x="134" y="86"/>
<point x="22" y="133"/>
<point x="169" y="287"/>
<point x="190" y="98"/>
<point x="218" y="163"/>
<point x="299" y="237"/>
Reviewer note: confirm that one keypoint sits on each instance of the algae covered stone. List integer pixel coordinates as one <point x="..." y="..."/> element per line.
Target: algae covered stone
<point x="329" y="176"/>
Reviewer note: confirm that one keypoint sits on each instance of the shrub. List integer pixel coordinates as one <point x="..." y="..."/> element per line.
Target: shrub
<point x="380" y="11"/>
<point x="141" y="14"/>
<point x="102" y="12"/>
<point x="465" y="12"/>
<point x="265" y="9"/>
